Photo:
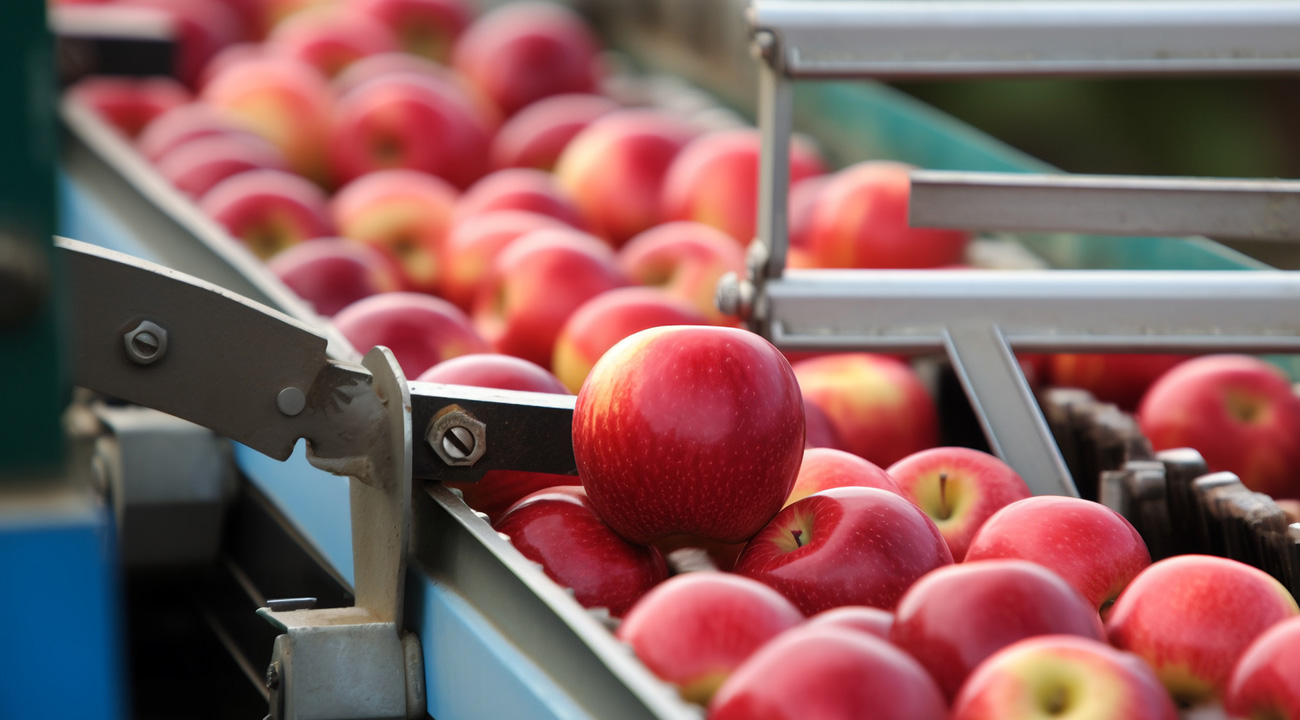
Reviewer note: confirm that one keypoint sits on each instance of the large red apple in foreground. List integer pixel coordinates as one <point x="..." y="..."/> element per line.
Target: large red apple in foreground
<point x="558" y="528"/>
<point x="845" y="546"/>
<point x="695" y="629"/>
<point x="878" y="406"/>
<point x="1265" y="683"/>
<point x="828" y="674"/>
<point x="1238" y="411"/>
<point x="1063" y="676"/>
<point x="1192" y="616"/>
<point x="959" y="488"/>
<point x="497" y="490"/>
<point x="958" y="615"/>
<point x="1089" y="545"/>
<point x="689" y="430"/>
<point x="825" y="468"/>
<point x="420" y="329"/>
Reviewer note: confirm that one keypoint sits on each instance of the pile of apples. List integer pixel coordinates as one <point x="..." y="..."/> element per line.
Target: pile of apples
<point x="475" y="194"/>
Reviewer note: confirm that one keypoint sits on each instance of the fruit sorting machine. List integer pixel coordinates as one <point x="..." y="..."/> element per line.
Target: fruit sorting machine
<point x="471" y="629"/>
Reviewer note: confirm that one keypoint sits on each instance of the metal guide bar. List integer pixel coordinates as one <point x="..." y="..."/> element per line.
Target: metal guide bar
<point x="981" y="319"/>
<point x="1107" y="205"/>
<point x="921" y="39"/>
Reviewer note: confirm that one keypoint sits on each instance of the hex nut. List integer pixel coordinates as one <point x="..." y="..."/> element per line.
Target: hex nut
<point x="457" y="437"/>
<point x="146" y="343"/>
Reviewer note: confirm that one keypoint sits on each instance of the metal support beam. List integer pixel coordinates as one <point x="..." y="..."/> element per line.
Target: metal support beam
<point x="1107" y="205"/>
<point x="933" y="39"/>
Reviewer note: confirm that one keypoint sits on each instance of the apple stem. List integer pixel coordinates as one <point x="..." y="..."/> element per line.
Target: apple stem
<point x="798" y="537"/>
<point x="944" y="510"/>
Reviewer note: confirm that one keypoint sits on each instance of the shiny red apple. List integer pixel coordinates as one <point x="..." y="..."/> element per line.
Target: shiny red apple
<point x="845" y="546"/>
<point x="332" y="273"/>
<point x="689" y="431"/>
<point x="420" y="329"/>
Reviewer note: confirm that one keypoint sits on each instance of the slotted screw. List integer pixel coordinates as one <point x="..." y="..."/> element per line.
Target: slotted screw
<point x="458" y="442"/>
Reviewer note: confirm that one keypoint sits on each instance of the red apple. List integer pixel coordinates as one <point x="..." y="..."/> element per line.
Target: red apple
<point x="818" y="431"/>
<point x="1119" y="378"/>
<point x="845" y="546"/>
<point x="694" y="630"/>
<point x="426" y="28"/>
<point x="959" y="488"/>
<point x="523" y="52"/>
<point x="880" y="409"/>
<point x="686" y="259"/>
<point x="598" y="324"/>
<point x="828" y="674"/>
<point x="825" y="468"/>
<point x="404" y="214"/>
<point x="181" y="124"/>
<point x="420" y="329"/>
<point x="263" y="16"/>
<point x="413" y="121"/>
<point x="1238" y="411"/>
<point x="330" y="38"/>
<point x="332" y="273"/>
<point x="1192" y="616"/>
<point x="519" y="189"/>
<point x="228" y="57"/>
<point x="559" y="529"/>
<point x="286" y="101"/>
<point x="129" y="104"/>
<point x="689" y="430"/>
<point x="471" y="245"/>
<point x="202" y="28"/>
<point x="955" y="617"/>
<point x="1063" y="676"/>
<point x="860" y="221"/>
<point x="195" y="166"/>
<point x="497" y="490"/>
<point x="862" y="618"/>
<point x="615" y="169"/>
<point x="1265" y="682"/>
<point x="1089" y="545"/>
<point x="535" y="284"/>
<point x="714" y="180"/>
<point x="269" y="210"/>
<point x="535" y="136"/>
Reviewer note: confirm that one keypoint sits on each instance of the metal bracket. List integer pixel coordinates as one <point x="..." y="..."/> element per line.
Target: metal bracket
<point x="262" y="378"/>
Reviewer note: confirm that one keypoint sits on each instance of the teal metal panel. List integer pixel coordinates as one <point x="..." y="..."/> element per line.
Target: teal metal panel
<point x="31" y="352"/>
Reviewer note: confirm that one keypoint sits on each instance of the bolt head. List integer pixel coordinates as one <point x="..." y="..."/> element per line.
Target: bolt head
<point x="146" y="343"/>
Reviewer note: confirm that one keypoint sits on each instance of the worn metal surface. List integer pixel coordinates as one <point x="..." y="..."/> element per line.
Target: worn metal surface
<point x="921" y="39"/>
<point x="1222" y="208"/>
